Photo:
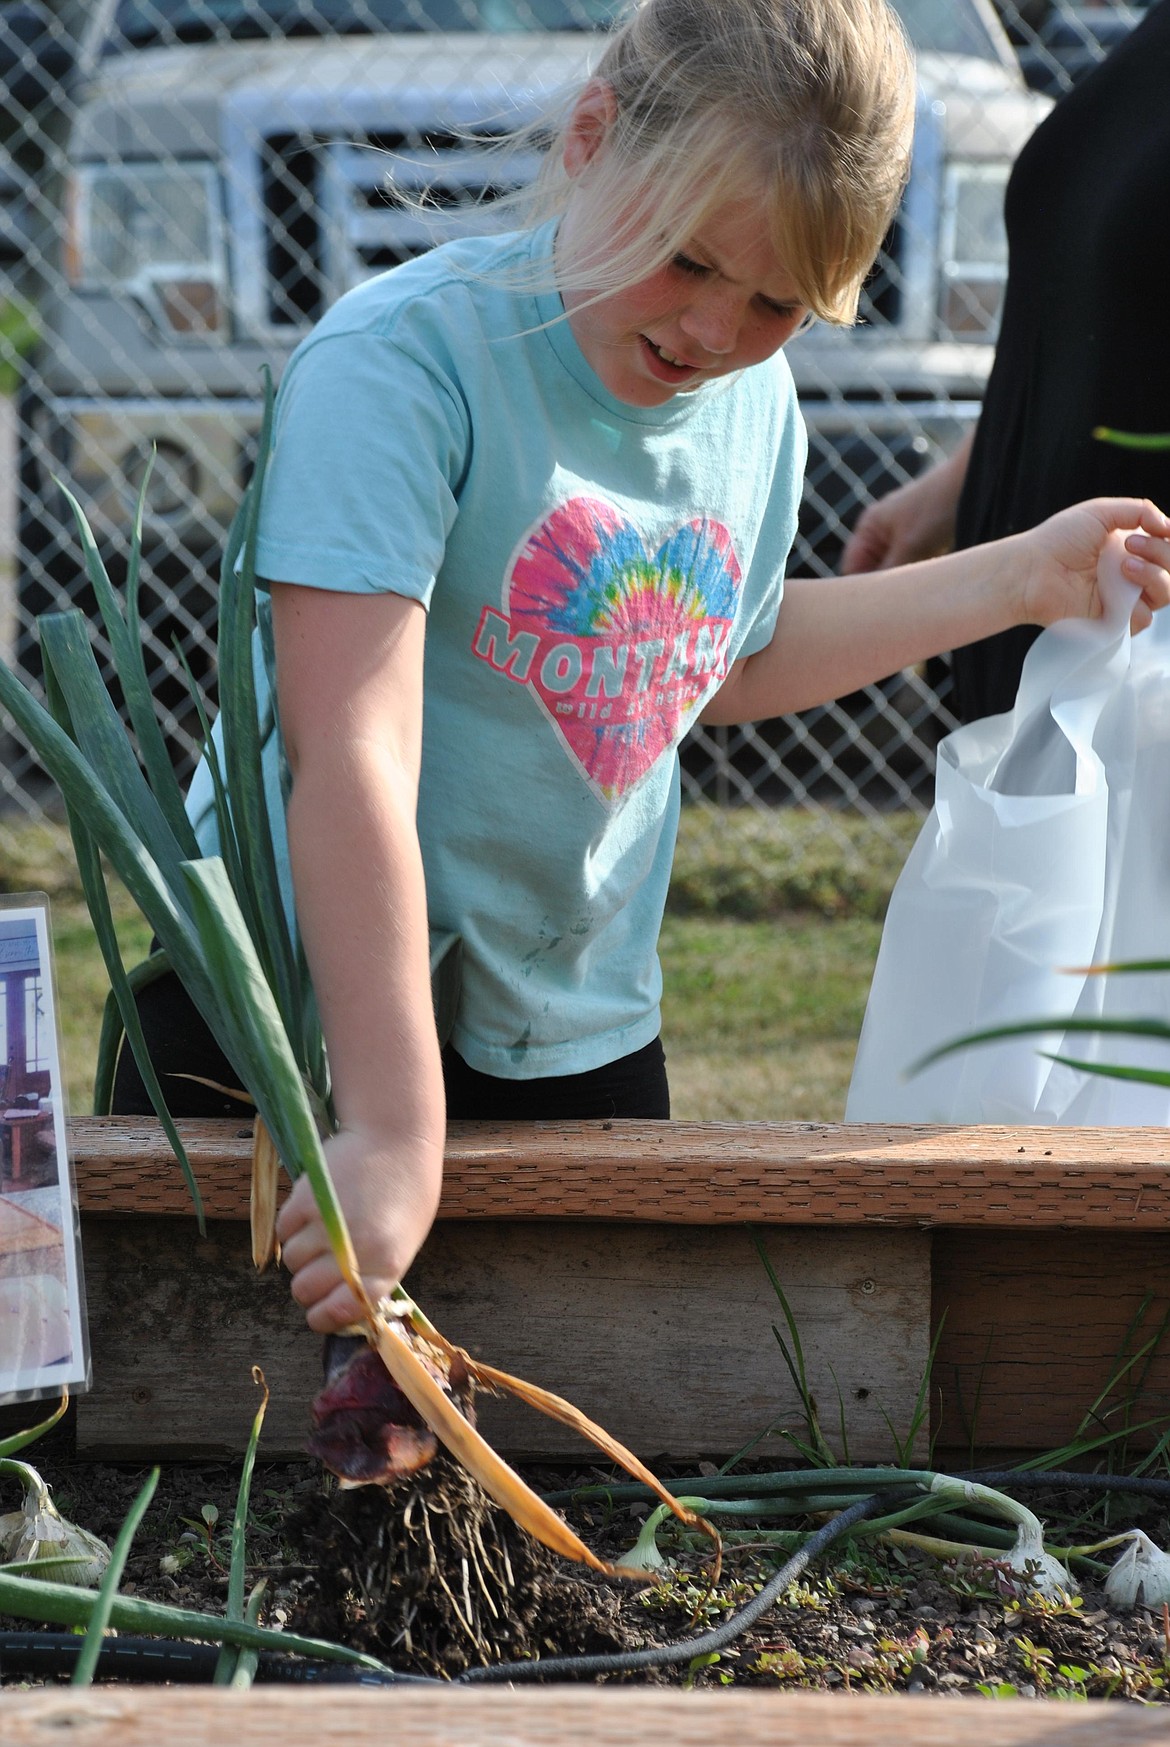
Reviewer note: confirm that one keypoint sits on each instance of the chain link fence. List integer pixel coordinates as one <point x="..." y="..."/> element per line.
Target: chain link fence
<point x="185" y="185"/>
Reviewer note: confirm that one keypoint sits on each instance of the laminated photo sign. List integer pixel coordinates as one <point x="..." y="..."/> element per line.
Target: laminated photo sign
<point x="43" y="1336"/>
<point x="1047" y="851"/>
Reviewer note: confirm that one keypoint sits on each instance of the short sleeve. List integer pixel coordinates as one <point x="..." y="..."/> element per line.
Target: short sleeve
<point x="370" y="444"/>
<point x="778" y="528"/>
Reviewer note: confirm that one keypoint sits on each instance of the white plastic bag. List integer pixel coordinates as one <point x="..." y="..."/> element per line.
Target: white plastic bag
<point x="1048" y="847"/>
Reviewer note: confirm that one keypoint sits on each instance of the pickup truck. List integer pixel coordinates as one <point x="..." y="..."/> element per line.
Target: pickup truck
<point x="229" y="167"/>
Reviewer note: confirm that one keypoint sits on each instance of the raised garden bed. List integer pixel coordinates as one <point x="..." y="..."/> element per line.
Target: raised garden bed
<point x="616" y="1263"/>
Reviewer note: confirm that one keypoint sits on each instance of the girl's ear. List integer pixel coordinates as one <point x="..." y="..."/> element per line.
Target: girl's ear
<point x="593" y="114"/>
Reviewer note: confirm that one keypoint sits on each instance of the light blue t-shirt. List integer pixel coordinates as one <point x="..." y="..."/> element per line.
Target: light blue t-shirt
<point x="591" y="570"/>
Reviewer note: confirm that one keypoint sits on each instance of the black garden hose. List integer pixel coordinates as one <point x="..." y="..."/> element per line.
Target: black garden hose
<point x="1066" y="1480"/>
<point x="174" y="1662"/>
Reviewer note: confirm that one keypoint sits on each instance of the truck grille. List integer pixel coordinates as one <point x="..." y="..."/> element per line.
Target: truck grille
<point x="338" y="211"/>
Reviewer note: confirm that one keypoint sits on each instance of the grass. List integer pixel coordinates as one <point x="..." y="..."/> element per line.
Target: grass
<point x="760" y="1019"/>
<point x="18" y="334"/>
<point x="767" y="949"/>
<point x="753" y="866"/>
<point x="38" y="858"/>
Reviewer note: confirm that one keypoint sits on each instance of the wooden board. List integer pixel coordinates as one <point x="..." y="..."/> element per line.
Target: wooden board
<point x="690" y="1173"/>
<point x="663" y="1334"/>
<point x="560" y="1717"/>
<point x="1045" y="1242"/>
<point x="1036" y="1325"/>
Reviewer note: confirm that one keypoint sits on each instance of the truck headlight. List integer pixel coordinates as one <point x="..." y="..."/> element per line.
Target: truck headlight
<point x="155" y="231"/>
<point x="972" y="249"/>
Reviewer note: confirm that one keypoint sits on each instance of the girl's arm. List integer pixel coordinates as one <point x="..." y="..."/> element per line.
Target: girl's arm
<point x="838" y="633"/>
<point x="349" y="680"/>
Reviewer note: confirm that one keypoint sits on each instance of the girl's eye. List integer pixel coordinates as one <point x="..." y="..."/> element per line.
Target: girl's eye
<point x="685" y="264"/>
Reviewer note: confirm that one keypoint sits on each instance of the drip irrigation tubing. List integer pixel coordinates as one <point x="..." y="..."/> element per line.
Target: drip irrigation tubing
<point x="173" y="1661"/>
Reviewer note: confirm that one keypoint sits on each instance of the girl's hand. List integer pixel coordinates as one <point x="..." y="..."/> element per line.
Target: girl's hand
<point x="388" y="1187"/>
<point x="1059" y="577"/>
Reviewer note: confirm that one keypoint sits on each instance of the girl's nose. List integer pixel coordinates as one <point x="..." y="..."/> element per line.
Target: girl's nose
<point x="713" y="318"/>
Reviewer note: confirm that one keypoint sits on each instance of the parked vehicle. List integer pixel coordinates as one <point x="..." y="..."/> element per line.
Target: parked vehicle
<point x="231" y="166"/>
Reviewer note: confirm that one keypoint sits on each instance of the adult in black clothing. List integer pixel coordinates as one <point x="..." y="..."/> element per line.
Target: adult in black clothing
<point x="1084" y="342"/>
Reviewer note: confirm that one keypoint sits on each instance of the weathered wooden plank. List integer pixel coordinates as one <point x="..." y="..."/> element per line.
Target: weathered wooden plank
<point x="1046" y="1241"/>
<point x="560" y="1717"/>
<point x="1036" y="1323"/>
<point x="701" y="1173"/>
<point x="176" y="1323"/>
<point x="663" y="1334"/>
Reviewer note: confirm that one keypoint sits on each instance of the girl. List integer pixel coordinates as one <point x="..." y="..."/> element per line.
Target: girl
<point x="527" y="517"/>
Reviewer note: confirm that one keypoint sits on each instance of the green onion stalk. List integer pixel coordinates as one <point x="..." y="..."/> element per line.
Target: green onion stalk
<point x="939" y="1501"/>
<point x="65" y="1605"/>
<point x="1132" y="439"/>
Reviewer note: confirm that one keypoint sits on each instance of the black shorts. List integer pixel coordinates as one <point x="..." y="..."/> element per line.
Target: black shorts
<point x="196" y="1077"/>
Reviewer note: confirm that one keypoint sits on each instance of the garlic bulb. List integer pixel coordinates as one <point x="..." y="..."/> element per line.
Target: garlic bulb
<point x="1040" y="1572"/>
<point x="644" y="1554"/>
<point x="38" y="1531"/>
<point x="1140" y="1576"/>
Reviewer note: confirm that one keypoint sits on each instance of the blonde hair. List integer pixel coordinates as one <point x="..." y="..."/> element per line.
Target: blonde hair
<point x="807" y="104"/>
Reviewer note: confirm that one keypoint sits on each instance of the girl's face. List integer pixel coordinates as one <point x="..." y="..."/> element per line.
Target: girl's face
<point x="723" y="303"/>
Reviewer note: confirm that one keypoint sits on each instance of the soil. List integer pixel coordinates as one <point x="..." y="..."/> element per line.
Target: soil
<point x="434" y="1578"/>
<point x="441" y="1582"/>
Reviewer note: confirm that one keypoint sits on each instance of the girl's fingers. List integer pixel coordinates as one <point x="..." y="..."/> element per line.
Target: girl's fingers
<point x="305" y="1246"/>
<point x="1154" y="547"/>
<point x="317" y="1286"/>
<point x="337" y="1311"/>
<point x="1147" y="563"/>
<point x="299" y="1210"/>
<point x="315" y="1280"/>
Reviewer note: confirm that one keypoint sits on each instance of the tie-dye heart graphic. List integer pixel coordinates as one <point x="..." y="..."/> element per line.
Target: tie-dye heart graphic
<point x="619" y="644"/>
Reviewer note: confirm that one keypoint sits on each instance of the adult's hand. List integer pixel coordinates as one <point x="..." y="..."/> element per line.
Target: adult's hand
<point x="912" y="522"/>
